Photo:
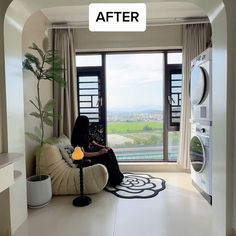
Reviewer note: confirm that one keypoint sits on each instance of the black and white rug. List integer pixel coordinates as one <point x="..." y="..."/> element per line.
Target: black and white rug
<point x="138" y="186"/>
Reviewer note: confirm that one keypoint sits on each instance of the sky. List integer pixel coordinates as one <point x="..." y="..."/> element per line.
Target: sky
<point x="134" y="81"/>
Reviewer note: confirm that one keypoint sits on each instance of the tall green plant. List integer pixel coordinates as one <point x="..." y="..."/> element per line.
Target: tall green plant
<point x="45" y="64"/>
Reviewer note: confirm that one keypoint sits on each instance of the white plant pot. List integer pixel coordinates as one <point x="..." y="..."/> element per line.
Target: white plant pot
<point x="39" y="191"/>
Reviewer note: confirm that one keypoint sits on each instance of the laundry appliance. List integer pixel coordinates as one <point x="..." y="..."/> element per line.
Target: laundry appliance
<point x="201" y="88"/>
<point x="201" y="123"/>
<point x="201" y="159"/>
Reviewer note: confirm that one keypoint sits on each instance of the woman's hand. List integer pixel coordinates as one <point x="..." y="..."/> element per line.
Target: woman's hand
<point x="103" y="151"/>
<point x="99" y="145"/>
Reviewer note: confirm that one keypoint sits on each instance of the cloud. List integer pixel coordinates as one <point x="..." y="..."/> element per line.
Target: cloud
<point x="134" y="80"/>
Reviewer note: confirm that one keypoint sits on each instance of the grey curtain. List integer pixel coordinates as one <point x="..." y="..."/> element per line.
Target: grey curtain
<point x="196" y="38"/>
<point x="65" y="97"/>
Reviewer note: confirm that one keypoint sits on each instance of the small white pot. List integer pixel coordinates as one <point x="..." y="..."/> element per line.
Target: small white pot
<point x="39" y="191"/>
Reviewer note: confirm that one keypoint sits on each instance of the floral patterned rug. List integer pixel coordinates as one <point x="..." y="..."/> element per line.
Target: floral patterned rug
<point x="138" y="186"/>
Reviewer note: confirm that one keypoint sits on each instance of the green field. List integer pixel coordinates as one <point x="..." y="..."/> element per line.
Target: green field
<point x="141" y="134"/>
<point x="133" y="126"/>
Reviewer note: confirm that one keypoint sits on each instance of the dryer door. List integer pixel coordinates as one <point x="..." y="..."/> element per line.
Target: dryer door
<point x="198" y="85"/>
<point x="197" y="154"/>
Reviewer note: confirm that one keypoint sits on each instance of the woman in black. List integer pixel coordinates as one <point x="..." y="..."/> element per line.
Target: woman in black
<point x="104" y="155"/>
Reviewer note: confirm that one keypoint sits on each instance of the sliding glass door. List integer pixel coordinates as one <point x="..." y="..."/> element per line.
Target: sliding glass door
<point x="134" y="90"/>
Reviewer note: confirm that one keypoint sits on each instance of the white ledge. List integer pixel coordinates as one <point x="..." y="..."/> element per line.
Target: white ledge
<point x="7" y="173"/>
<point x="151" y="167"/>
<point x="9" y="158"/>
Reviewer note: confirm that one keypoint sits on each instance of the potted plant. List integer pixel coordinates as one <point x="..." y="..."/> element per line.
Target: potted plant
<point x="45" y="64"/>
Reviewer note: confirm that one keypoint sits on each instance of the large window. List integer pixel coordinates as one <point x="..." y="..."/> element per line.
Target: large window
<point x="137" y="101"/>
<point x="134" y="85"/>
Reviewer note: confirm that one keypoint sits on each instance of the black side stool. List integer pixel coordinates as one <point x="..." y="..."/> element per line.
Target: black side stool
<point x="81" y="200"/>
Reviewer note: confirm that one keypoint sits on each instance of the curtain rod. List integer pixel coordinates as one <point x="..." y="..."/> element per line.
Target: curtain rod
<point x="150" y="22"/>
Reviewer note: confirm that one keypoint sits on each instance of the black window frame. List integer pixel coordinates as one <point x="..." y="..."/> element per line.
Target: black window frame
<point x="173" y="69"/>
<point x="100" y="72"/>
<point x="167" y="125"/>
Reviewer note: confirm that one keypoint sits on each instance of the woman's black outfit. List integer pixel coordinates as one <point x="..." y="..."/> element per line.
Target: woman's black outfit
<point x="80" y="137"/>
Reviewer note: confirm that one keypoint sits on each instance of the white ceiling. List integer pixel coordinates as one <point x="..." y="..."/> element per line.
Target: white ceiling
<point x="156" y="12"/>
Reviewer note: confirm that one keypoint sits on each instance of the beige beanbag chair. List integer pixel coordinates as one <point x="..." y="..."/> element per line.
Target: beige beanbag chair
<point x="65" y="179"/>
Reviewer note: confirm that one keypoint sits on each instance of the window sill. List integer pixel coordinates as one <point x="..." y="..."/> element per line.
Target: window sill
<point x="151" y="167"/>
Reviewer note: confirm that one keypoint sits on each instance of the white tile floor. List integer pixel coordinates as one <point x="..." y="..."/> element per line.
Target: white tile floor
<point x="179" y="210"/>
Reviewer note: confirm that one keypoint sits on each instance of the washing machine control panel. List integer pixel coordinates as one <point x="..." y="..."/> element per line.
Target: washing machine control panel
<point x="205" y="130"/>
<point x="202" y="131"/>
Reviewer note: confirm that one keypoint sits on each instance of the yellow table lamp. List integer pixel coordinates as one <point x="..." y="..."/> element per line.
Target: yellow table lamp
<point x="77" y="155"/>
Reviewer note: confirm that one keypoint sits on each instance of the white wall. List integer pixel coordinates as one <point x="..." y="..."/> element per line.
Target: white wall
<point x="34" y="31"/>
<point x="3" y="7"/>
<point x="220" y="134"/>
<point x="5" y="212"/>
<point x="16" y="202"/>
<point x="156" y="37"/>
<point x="224" y="74"/>
<point x="231" y="97"/>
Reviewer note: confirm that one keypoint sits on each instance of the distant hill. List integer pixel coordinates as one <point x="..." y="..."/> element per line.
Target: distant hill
<point x="136" y="115"/>
<point x="137" y="111"/>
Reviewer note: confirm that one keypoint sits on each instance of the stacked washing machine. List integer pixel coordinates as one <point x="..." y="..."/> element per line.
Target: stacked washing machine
<point x="201" y="123"/>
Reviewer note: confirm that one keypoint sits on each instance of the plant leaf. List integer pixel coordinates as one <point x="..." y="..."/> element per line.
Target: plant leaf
<point x="56" y="116"/>
<point x="47" y="121"/>
<point x="27" y="65"/>
<point x="54" y="75"/>
<point x="32" y="102"/>
<point x="51" y="141"/>
<point x="33" y="61"/>
<point x="49" y="105"/>
<point x="35" y="114"/>
<point x="36" y="48"/>
<point x="49" y="114"/>
<point x="33" y="137"/>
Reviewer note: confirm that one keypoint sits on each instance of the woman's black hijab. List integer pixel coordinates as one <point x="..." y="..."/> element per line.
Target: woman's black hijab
<point x="80" y="133"/>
